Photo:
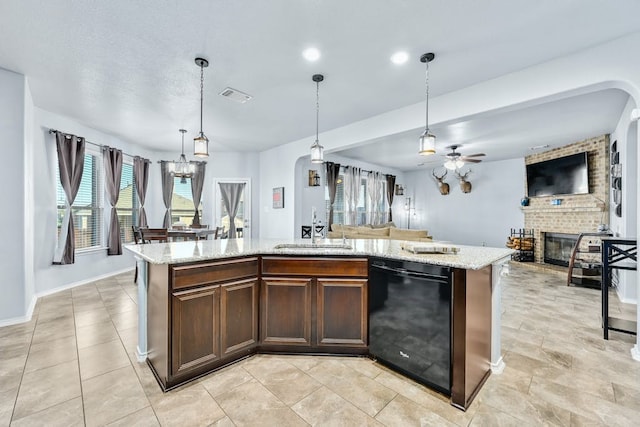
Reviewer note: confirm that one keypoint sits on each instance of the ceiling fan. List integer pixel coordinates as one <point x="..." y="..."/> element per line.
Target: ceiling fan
<point x="455" y="160"/>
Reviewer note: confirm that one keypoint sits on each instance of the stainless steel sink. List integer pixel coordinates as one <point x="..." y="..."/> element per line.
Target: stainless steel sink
<point x="312" y="246"/>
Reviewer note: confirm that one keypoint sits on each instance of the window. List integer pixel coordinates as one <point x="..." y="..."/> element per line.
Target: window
<point x="340" y="206"/>
<point x="182" y="208"/>
<point x="127" y="206"/>
<point x="87" y="207"/>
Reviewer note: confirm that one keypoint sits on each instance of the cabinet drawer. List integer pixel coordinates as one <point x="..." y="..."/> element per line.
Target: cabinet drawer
<point x="185" y="276"/>
<point x="291" y="266"/>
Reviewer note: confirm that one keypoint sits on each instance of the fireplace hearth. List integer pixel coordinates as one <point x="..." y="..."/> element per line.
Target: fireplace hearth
<point x="558" y="248"/>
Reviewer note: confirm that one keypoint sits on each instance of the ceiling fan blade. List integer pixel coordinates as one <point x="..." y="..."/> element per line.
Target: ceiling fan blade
<point x="470" y="160"/>
<point x="475" y="155"/>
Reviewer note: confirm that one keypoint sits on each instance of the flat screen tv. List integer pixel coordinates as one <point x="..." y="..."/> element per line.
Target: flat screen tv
<point x="564" y="175"/>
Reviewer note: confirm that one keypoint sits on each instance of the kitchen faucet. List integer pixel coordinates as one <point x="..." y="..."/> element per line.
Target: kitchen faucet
<point x="314" y="221"/>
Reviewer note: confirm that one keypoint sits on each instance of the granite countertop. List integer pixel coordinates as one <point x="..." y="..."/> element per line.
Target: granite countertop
<point x="468" y="257"/>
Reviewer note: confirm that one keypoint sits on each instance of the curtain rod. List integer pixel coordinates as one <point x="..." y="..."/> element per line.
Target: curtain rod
<point x="93" y="143"/>
<point x="363" y="170"/>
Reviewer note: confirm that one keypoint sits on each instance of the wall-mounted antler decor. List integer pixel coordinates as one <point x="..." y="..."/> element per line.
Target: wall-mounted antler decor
<point x="443" y="187"/>
<point x="465" y="185"/>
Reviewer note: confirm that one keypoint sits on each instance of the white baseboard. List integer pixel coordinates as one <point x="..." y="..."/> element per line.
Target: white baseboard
<point x="142" y="356"/>
<point x="498" y="367"/>
<point x="635" y="353"/>
<point x="32" y="304"/>
<point x="626" y="300"/>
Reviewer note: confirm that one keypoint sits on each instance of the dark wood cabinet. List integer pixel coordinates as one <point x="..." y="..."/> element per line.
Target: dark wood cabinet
<point x="195" y="333"/>
<point x="205" y="315"/>
<point x="342" y="312"/>
<point x="314" y="304"/>
<point x="286" y="313"/>
<point x="209" y="313"/>
<point x="238" y="316"/>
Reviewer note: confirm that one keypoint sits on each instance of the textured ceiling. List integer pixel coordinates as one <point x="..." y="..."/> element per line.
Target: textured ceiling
<point x="127" y="67"/>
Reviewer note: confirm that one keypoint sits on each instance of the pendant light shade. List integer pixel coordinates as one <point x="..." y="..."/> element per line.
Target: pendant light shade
<point x="201" y="142"/>
<point x="182" y="169"/>
<point x="317" y="150"/>
<point x="427" y="143"/>
<point x="427" y="139"/>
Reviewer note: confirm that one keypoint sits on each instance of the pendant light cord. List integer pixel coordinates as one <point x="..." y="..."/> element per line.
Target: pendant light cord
<point x="201" y="93"/>
<point x="427" y="109"/>
<point x="317" y="108"/>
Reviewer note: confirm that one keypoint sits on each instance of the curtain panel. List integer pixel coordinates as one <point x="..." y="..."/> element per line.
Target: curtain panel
<point x="231" y="194"/>
<point x="352" y="183"/>
<point x="391" y="185"/>
<point x="70" y="150"/>
<point x="333" y="172"/>
<point x="141" y="179"/>
<point x="197" y="182"/>
<point x="167" y="191"/>
<point x="112" y="160"/>
<point x="374" y="192"/>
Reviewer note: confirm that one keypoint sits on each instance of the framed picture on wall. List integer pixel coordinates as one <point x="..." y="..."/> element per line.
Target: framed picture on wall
<point x="278" y="198"/>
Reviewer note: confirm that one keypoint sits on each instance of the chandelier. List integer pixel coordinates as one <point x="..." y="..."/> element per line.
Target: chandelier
<point x="182" y="169"/>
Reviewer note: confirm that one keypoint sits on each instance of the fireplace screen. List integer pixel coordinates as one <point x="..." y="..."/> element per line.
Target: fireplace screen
<point x="558" y="248"/>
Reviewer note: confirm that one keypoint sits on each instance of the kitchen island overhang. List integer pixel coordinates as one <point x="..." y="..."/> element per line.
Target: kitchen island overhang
<point x="476" y="289"/>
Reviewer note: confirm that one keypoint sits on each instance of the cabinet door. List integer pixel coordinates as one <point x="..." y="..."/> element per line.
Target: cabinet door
<point x="286" y="311"/>
<point x="195" y="338"/>
<point x="238" y="316"/>
<point x="342" y="312"/>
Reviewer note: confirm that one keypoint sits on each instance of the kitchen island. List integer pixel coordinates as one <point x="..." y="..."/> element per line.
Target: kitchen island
<point x="205" y="304"/>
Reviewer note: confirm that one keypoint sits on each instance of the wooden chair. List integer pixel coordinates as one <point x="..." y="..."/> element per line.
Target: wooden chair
<point x="137" y="235"/>
<point x="201" y="226"/>
<point x="219" y="233"/>
<point x="137" y="238"/>
<point x="154" y="235"/>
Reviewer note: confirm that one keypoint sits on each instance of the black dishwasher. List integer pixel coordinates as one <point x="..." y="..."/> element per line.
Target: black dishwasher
<point x="410" y="319"/>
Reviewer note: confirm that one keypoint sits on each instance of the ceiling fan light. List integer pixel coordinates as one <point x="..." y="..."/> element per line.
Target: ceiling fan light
<point x="450" y="164"/>
<point x="201" y="146"/>
<point x="427" y="144"/>
<point x="317" y="153"/>
<point x="453" y="164"/>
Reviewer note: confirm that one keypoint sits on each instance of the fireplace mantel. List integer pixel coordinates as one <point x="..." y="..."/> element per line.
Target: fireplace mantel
<point x="561" y="209"/>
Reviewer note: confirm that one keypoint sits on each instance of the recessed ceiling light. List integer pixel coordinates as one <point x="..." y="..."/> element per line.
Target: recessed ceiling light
<point x="311" y="54"/>
<point x="399" y="58"/>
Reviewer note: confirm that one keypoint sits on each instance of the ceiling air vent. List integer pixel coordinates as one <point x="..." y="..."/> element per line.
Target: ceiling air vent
<point x="235" y="95"/>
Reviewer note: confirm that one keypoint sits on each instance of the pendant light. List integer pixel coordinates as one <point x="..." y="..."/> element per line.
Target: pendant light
<point x="182" y="168"/>
<point x="317" y="155"/>
<point x="427" y="139"/>
<point x="201" y="142"/>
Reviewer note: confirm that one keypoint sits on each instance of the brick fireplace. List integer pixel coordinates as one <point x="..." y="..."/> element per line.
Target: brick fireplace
<point x="579" y="213"/>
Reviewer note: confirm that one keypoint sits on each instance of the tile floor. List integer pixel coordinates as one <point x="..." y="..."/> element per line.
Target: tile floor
<point x="74" y="364"/>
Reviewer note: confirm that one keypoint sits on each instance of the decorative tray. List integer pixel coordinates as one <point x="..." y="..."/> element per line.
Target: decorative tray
<point x="429" y="248"/>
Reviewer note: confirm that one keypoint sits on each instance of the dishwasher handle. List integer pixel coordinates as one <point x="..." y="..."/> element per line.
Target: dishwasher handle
<point x="399" y="271"/>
